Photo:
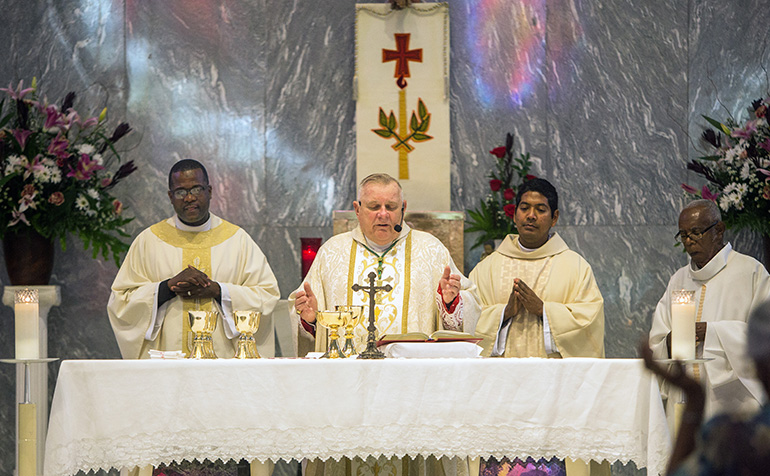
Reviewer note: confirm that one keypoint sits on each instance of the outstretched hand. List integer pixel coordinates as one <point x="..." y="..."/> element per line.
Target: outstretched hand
<point x="450" y="285"/>
<point x="306" y="304"/>
<point x="673" y="374"/>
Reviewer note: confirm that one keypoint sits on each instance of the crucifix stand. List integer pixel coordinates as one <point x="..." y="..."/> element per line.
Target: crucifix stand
<point x="371" y="351"/>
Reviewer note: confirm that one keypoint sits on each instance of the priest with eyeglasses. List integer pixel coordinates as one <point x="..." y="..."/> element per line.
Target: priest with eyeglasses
<point x="728" y="285"/>
<point x="193" y="260"/>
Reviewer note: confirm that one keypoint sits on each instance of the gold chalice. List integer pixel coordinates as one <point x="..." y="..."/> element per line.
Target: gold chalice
<point x="355" y="314"/>
<point x="203" y="324"/>
<point x="247" y="323"/>
<point x="333" y="320"/>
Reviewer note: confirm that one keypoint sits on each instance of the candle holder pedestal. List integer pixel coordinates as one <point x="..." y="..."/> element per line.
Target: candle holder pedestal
<point x="34" y="378"/>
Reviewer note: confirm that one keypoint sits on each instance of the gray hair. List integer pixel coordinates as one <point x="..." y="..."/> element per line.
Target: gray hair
<point x="711" y="209"/>
<point x="379" y="179"/>
<point x="758" y="345"/>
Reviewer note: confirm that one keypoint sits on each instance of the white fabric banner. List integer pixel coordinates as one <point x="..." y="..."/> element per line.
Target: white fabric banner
<point x="402" y="92"/>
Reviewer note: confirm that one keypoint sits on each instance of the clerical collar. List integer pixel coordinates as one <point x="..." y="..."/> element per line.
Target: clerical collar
<point x="715" y="265"/>
<point x="206" y="226"/>
<point x="530" y="250"/>
<point x="379" y="249"/>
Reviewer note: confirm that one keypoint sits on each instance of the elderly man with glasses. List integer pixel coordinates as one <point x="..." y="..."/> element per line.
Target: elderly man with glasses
<point x="728" y="286"/>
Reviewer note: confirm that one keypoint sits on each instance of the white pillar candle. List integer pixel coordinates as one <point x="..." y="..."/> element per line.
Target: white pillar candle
<point x="27" y="312"/>
<point x="682" y="325"/>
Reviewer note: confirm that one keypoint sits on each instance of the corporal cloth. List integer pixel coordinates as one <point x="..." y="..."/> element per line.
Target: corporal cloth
<point x="726" y="289"/>
<point x="226" y="253"/>
<point x="565" y="283"/>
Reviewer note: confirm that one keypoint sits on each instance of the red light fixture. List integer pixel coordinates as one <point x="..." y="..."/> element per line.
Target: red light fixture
<point x="309" y="251"/>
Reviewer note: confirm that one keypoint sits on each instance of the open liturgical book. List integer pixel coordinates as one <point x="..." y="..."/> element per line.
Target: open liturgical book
<point x="438" y="336"/>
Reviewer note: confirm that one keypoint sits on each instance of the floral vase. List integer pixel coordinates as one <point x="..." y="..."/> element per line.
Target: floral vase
<point x="28" y="257"/>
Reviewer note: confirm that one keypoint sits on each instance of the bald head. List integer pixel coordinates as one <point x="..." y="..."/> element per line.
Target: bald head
<point x="708" y="208"/>
<point x="701" y="230"/>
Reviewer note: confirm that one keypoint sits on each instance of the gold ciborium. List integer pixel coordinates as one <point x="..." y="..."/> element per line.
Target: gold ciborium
<point x="247" y="323"/>
<point x="349" y="349"/>
<point x="333" y="320"/>
<point x="203" y="323"/>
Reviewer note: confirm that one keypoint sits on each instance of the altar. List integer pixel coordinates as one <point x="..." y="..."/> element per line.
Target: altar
<point x="122" y="413"/>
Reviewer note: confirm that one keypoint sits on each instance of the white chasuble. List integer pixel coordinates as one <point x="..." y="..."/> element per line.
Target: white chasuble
<point x="413" y="267"/>
<point x="401" y="88"/>
<point x="565" y="283"/>
<point x="226" y="253"/>
<point x="726" y="289"/>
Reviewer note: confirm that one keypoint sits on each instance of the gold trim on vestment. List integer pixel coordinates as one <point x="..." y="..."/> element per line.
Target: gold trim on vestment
<point x="196" y="252"/>
<point x="351" y="271"/>
<point x="698" y="316"/>
<point x="407" y="282"/>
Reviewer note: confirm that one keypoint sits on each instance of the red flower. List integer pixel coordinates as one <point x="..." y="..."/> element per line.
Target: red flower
<point x="495" y="184"/>
<point x="529" y="177"/>
<point x="509" y="209"/>
<point x="498" y="152"/>
<point x="508" y="194"/>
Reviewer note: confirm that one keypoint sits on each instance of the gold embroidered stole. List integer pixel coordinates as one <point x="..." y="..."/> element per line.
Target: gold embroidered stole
<point x="196" y="252"/>
<point x="525" y="334"/>
<point x="394" y="268"/>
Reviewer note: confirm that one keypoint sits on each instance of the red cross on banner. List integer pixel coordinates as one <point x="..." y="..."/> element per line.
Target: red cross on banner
<point x="402" y="55"/>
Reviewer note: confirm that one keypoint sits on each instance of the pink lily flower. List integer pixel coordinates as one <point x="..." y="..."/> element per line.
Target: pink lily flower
<point x="766" y="144"/>
<point x="689" y="189"/>
<point x="746" y="132"/>
<point x="33" y="166"/>
<point x="85" y="168"/>
<point x="19" y="93"/>
<point x="58" y="146"/>
<point x="53" y="118"/>
<point x="21" y="136"/>
<point x="16" y="217"/>
<point x="706" y="193"/>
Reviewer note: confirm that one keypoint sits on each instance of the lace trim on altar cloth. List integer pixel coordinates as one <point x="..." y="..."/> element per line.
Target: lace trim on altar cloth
<point x="400" y="440"/>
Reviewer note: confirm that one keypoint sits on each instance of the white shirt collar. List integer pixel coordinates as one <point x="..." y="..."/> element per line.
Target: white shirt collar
<point x="530" y="250"/>
<point x="714" y="265"/>
<point x="183" y="227"/>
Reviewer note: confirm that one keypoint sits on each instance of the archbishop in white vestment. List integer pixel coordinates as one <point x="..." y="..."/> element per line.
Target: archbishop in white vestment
<point x="225" y="252"/>
<point x="413" y="267"/>
<point x="726" y="289"/>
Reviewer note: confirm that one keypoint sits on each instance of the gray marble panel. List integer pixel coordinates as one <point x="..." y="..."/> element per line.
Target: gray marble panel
<point x="309" y="109"/>
<point x="497" y="68"/>
<point x="728" y="67"/>
<point x="617" y="89"/>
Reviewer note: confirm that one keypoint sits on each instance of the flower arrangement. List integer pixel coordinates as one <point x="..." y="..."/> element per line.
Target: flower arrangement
<point x="494" y="219"/>
<point x="56" y="172"/>
<point x="736" y="172"/>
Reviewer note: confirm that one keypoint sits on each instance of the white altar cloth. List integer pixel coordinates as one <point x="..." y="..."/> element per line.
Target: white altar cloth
<point x="120" y="413"/>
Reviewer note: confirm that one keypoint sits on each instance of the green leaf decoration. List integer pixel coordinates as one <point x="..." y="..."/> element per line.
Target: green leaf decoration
<point x="383" y="133"/>
<point x="425" y="124"/>
<point x="419" y="137"/>
<point x="383" y="118"/>
<point x="391" y="121"/>
<point x="421" y="109"/>
<point x="413" y="124"/>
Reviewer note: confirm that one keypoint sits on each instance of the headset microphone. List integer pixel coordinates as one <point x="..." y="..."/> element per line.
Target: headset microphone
<point x="398" y="227"/>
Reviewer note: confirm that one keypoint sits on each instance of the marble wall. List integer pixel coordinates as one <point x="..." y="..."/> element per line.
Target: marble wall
<point x="606" y="95"/>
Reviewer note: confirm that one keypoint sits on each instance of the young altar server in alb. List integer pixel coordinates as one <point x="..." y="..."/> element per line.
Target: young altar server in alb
<point x="539" y="298"/>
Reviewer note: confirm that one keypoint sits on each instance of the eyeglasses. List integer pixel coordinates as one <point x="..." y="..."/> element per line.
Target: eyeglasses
<point x="693" y="235"/>
<point x="181" y="193"/>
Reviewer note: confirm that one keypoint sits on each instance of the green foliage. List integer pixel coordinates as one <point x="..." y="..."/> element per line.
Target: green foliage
<point x="494" y="217"/>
